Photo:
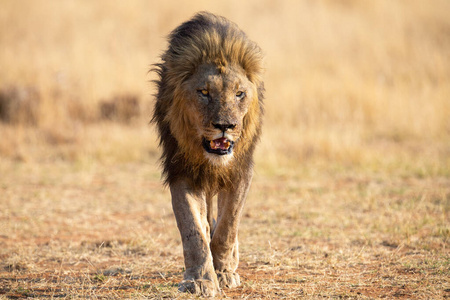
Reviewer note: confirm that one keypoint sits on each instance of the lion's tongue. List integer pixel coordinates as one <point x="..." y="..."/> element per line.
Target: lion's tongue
<point x="221" y="143"/>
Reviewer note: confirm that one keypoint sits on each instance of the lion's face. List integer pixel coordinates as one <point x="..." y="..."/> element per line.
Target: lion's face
<point x="209" y="103"/>
<point x="219" y="99"/>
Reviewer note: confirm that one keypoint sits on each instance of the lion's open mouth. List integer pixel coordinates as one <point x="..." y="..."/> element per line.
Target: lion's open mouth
<point x="221" y="146"/>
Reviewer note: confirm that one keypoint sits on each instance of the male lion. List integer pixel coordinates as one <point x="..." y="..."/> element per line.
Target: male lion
<point x="208" y="112"/>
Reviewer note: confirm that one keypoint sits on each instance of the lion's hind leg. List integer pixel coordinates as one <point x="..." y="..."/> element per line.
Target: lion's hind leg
<point x="210" y="209"/>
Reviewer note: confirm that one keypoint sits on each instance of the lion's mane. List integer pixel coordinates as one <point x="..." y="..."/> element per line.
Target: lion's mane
<point x="205" y="39"/>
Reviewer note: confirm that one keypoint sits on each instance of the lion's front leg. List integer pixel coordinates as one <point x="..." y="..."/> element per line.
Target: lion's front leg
<point x="191" y="215"/>
<point x="224" y="244"/>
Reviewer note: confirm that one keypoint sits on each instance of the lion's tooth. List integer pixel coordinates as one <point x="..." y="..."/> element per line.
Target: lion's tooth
<point x="227" y="144"/>
<point x="212" y="144"/>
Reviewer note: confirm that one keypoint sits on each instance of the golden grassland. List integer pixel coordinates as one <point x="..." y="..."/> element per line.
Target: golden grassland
<point x="351" y="195"/>
<point x="346" y="80"/>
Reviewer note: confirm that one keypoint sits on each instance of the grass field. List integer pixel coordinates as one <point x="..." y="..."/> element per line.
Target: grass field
<point x="351" y="194"/>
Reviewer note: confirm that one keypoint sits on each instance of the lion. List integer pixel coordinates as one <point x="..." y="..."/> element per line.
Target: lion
<point x="208" y="112"/>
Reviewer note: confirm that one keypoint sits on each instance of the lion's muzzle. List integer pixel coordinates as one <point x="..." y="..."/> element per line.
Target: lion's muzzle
<point x="224" y="127"/>
<point x="220" y="146"/>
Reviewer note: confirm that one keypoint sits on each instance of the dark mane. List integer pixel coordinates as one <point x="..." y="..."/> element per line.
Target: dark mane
<point x="209" y="39"/>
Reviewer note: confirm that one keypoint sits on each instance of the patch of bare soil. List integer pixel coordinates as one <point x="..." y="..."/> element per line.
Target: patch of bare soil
<point x="109" y="232"/>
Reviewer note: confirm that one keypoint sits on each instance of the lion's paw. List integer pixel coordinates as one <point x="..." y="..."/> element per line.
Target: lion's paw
<point x="228" y="279"/>
<point x="203" y="287"/>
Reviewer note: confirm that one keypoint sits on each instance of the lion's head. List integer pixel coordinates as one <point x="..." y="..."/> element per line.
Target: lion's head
<point x="209" y="100"/>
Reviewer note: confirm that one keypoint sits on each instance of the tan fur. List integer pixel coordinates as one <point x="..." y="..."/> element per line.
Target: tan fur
<point x="210" y="92"/>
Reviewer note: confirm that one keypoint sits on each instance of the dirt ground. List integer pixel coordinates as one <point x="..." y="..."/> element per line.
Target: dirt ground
<point x="98" y="231"/>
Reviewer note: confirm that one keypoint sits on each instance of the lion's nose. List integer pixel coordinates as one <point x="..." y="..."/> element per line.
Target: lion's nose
<point x="224" y="127"/>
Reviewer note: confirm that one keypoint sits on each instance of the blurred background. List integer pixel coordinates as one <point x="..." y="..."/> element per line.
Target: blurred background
<point x="350" y="84"/>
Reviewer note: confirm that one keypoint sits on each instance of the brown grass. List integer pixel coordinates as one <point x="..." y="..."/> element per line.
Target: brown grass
<point x="351" y="196"/>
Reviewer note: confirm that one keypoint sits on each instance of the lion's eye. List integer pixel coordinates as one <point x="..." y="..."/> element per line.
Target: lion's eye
<point x="203" y="92"/>
<point x="240" y="95"/>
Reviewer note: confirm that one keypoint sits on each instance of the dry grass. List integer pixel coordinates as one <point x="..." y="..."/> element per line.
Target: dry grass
<point x="351" y="196"/>
<point x="93" y="231"/>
